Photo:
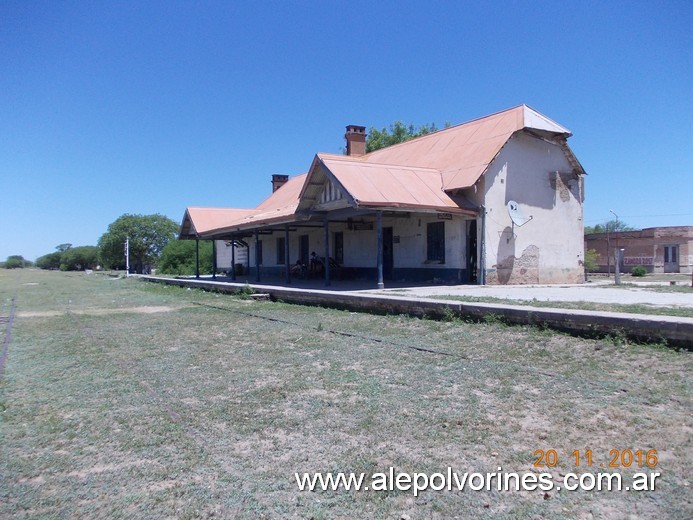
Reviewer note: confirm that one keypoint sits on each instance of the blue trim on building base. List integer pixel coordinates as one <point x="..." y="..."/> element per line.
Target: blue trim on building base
<point x="411" y="274"/>
<point x="432" y="275"/>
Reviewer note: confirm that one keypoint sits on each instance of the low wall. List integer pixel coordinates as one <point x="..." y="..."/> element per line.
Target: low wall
<point x="677" y="331"/>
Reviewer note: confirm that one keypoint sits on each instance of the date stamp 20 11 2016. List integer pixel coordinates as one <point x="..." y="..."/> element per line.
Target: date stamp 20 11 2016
<point x="616" y="459"/>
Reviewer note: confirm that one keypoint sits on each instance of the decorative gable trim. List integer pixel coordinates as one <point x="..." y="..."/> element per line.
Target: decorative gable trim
<point x="322" y="191"/>
<point x="332" y="197"/>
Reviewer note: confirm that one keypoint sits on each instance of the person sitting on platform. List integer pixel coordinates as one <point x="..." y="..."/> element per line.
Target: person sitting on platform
<point x="316" y="265"/>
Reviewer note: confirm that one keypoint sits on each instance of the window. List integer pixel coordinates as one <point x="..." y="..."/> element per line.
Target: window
<point x="436" y="242"/>
<point x="339" y="247"/>
<point x="281" y="257"/>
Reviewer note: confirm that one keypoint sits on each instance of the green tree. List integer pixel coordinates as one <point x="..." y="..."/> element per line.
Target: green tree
<point x="591" y="260"/>
<point x="79" y="258"/>
<point x="398" y="133"/>
<point x="612" y="226"/>
<point x="148" y="235"/>
<point x="49" y="261"/>
<point x="52" y="260"/>
<point x="178" y="257"/>
<point x="16" y="262"/>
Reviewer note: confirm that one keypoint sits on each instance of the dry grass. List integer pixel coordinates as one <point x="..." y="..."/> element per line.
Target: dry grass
<point x="209" y="407"/>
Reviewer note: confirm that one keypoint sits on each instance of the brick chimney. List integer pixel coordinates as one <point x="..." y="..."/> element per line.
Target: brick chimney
<point x="278" y="181"/>
<point x="355" y="140"/>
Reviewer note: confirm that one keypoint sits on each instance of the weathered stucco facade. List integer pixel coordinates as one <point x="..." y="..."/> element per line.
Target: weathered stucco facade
<point x="548" y="248"/>
<point x="496" y="200"/>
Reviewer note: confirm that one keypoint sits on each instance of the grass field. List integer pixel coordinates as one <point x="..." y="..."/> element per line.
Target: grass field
<point x="123" y="399"/>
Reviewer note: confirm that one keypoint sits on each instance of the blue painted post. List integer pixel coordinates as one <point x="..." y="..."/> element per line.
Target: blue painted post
<point x="233" y="259"/>
<point x="327" y="252"/>
<point x="482" y="255"/>
<point x="197" y="258"/>
<point x="379" y="232"/>
<point x="257" y="256"/>
<point x="214" y="259"/>
<point x="286" y="253"/>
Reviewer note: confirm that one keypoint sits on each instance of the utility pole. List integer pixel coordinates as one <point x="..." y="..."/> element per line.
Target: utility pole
<point x="615" y="215"/>
<point x="608" y="243"/>
<point x="127" y="257"/>
<point x="608" y="252"/>
<point x="618" y="259"/>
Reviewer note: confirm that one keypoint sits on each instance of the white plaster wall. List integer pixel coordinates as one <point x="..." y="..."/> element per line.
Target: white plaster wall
<point x="522" y="172"/>
<point x="412" y="248"/>
<point x="360" y="246"/>
<point x="224" y="255"/>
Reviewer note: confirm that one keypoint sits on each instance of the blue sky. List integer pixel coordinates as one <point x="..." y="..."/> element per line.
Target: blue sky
<point x="148" y="107"/>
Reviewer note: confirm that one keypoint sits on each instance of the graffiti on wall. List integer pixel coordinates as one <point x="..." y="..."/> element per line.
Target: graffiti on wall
<point x="638" y="260"/>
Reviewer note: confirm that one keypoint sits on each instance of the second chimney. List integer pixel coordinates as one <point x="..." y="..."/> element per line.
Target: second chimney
<point x="278" y="181"/>
<point x="355" y="140"/>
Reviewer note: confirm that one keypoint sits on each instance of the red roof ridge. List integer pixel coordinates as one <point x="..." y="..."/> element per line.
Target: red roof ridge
<point x="442" y="130"/>
<point x="374" y="163"/>
<point x="218" y="208"/>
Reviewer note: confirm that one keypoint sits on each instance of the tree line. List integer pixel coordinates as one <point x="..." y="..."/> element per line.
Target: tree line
<point x="152" y="244"/>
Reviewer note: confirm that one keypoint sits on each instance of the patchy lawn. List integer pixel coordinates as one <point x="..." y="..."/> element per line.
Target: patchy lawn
<point x="126" y="399"/>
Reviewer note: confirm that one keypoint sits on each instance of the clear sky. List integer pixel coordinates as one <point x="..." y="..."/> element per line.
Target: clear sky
<point x="112" y="107"/>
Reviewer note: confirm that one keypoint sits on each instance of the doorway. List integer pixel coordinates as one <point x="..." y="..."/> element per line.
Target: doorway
<point x="388" y="254"/>
<point x="304" y="249"/>
<point x="671" y="259"/>
<point x="338" y="244"/>
<point x="472" y="253"/>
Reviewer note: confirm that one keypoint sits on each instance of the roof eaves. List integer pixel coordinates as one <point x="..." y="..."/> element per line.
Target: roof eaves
<point x="248" y="226"/>
<point x="530" y="113"/>
<point x="186" y="217"/>
<point x="409" y="207"/>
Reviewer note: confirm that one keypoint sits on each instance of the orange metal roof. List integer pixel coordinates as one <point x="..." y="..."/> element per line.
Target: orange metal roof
<point x="386" y="185"/>
<point x="286" y="196"/>
<point x="414" y="174"/>
<point x="198" y="221"/>
<point x="462" y="153"/>
<point x="279" y="206"/>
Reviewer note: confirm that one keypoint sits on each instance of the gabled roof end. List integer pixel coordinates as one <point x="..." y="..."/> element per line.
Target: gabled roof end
<point x="537" y="121"/>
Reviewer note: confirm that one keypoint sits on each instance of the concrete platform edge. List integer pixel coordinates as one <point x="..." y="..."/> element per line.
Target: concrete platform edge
<point x="676" y="331"/>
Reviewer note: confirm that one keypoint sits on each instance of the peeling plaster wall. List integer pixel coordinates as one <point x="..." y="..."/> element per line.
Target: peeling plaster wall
<point x="549" y="248"/>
